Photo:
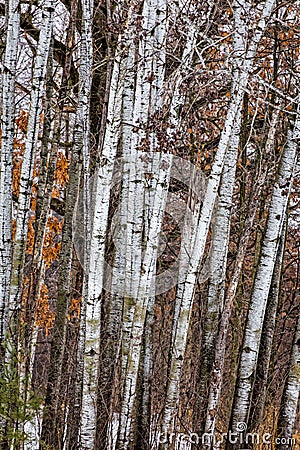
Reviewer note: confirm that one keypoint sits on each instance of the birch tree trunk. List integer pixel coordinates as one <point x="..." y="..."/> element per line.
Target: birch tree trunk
<point x="263" y="280"/>
<point x="19" y="247"/>
<point x="220" y="348"/>
<point x="44" y="191"/>
<point x="52" y="127"/>
<point x="180" y="328"/>
<point x="288" y="411"/>
<point x="221" y="229"/>
<point x="93" y="307"/>
<point x="112" y="334"/>
<point x="51" y="430"/>
<point x="148" y="99"/>
<point x="125" y="438"/>
<point x="190" y="220"/>
<point x="128" y="259"/>
<point x="265" y="351"/>
<point x="218" y="260"/>
<point x="35" y="110"/>
<point x="6" y="165"/>
<point x="7" y="127"/>
<point x="54" y="426"/>
<point x="3" y="29"/>
<point x="177" y="97"/>
<point x="90" y="320"/>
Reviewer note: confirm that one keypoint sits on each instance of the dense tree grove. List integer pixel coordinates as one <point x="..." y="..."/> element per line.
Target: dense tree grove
<point x="149" y="225"/>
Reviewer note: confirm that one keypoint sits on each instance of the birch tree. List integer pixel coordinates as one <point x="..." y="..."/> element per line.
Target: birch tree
<point x="7" y="126"/>
<point x="125" y="437"/>
<point x="263" y="279"/>
<point x="112" y="334"/>
<point x="101" y="196"/>
<point x="46" y="178"/>
<point x="187" y="290"/>
<point x="221" y="229"/>
<point x="28" y="157"/>
<point x="147" y="100"/>
<point x="268" y="331"/>
<point x="288" y="412"/>
<point x="215" y="387"/>
<point x="13" y="305"/>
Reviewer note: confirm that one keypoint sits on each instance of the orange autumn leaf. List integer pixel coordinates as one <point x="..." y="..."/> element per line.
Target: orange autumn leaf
<point x="61" y="173"/>
<point x="19" y="148"/>
<point x="30" y="237"/>
<point x="25" y="289"/>
<point x="54" y="225"/>
<point x="51" y="247"/>
<point x="74" y="309"/>
<point x="13" y="229"/>
<point x="22" y="121"/>
<point x="44" y="317"/>
<point x="51" y="253"/>
<point x="55" y="192"/>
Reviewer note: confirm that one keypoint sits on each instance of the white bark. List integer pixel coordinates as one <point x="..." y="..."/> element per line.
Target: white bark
<point x="7" y="126"/>
<point x="263" y="278"/>
<point x="146" y="361"/>
<point x="220" y="238"/>
<point x="267" y="337"/>
<point x="35" y="110"/>
<point x="190" y="220"/>
<point x="144" y="292"/>
<point x="177" y="97"/>
<point x="187" y="241"/>
<point x="3" y="28"/>
<point x="91" y="327"/>
<point x="114" y="319"/>
<point x="288" y="414"/>
<point x="150" y="74"/>
<point x="186" y="291"/>
<point x="32" y="429"/>
<point x="158" y="62"/>
<point x="221" y="228"/>
<point x="118" y="276"/>
<point x="220" y="347"/>
<point x="150" y="77"/>
<point x="93" y="307"/>
<point x="19" y="247"/>
<point x="218" y="261"/>
<point x="145" y="96"/>
<point x="81" y="140"/>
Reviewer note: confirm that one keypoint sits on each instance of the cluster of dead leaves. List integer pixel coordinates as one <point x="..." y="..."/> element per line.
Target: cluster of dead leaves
<point x="44" y="316"/>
